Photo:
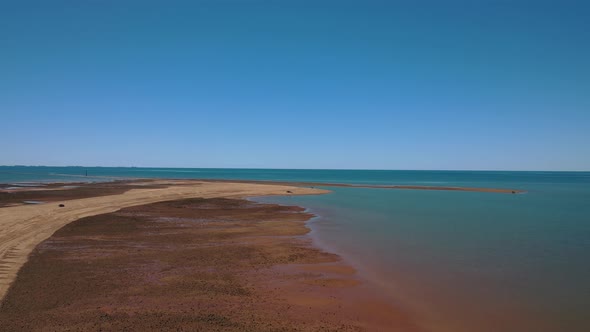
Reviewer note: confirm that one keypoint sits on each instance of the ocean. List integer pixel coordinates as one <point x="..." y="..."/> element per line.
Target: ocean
<point x="457" y="261"/>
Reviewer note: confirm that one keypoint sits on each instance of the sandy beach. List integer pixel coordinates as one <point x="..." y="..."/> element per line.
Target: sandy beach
<point x="187" y="255"/>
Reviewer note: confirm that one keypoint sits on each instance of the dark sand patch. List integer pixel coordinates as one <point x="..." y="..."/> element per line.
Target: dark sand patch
<point x="191" y="265"/>
<point x="55" y="192"/>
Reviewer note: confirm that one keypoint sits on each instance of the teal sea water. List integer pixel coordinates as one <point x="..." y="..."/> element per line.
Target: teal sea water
<point x="458" y="261"/>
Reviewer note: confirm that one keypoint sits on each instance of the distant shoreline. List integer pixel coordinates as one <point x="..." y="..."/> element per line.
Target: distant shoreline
<point x="370" y="186"/>
<point x="3" y="186"/>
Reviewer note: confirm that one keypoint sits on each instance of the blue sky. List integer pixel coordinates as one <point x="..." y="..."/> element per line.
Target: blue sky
<point x="296" y="84"/>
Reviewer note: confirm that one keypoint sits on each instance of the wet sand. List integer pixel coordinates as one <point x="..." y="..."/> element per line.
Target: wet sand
<point x="194" y="264"/>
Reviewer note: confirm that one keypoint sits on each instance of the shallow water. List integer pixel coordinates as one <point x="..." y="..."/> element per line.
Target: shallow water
<point x="465" y="261"/>
<point x="461" y="261"/>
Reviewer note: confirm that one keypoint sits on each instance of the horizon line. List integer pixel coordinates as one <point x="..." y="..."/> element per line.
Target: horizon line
<point x="306" y="169"/>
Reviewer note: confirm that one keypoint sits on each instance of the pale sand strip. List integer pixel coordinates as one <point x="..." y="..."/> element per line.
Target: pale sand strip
<point x="23" y="227"/>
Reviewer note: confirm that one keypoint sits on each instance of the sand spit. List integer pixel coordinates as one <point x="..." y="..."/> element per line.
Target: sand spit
<point x="410" y="187"/>
<point x="25" y="226"/>
<point x="194" y="264"/>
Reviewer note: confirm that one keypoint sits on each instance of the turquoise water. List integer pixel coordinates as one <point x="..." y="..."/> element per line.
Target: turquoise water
<point x="517" y="180"/>
<point x="459" y="261"/>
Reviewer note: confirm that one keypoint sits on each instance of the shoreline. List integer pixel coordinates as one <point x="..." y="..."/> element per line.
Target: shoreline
<point x="327" y="278"/>
<point x="370" y="281"/>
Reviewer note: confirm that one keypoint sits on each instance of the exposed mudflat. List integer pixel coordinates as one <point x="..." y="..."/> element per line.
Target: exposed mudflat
<point x="194" y="264"/>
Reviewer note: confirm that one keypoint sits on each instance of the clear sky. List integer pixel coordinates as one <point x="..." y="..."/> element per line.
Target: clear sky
<point x="296" y="84"/>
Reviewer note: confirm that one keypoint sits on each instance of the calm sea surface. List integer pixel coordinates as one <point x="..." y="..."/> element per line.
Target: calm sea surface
<point x="459" y="261"/>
